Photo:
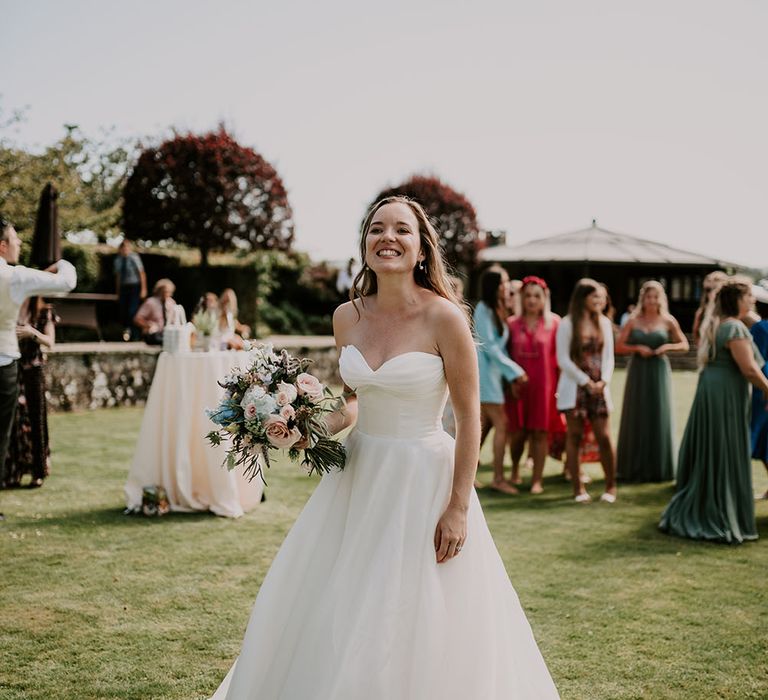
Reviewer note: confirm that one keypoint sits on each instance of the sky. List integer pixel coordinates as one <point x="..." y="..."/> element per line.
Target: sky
<point x="650" y="116"/>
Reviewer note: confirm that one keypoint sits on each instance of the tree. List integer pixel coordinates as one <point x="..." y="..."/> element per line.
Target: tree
<point x="207" y="192"/>
<point x="89" y="175"/>
<point x="452" y="212"/>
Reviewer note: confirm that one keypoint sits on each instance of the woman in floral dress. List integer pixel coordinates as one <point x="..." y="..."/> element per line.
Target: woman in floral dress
<point x="29" y="452"/>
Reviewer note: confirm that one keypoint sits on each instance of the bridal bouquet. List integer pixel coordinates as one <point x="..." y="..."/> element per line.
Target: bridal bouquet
<point x="274" y="403"/>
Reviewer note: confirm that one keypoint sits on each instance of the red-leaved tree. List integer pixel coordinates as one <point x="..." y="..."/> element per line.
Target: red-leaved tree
<point x="451" y="211"/>
<point x="207" y="192"/>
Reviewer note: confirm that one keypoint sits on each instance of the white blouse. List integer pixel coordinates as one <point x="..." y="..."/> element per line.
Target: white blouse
<point x="571" y="376"/>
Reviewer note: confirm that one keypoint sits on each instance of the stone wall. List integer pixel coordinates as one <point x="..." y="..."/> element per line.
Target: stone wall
<point x="99" y="375"/>
<point x="82" y="376"/>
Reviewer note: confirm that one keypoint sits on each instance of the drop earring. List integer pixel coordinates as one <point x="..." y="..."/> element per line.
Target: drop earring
<point x="421" y="265"/>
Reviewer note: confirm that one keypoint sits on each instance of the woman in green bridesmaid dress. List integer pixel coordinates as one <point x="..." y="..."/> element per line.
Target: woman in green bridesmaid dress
<point x="645" y="450"/>
<point x="713" y="499"/>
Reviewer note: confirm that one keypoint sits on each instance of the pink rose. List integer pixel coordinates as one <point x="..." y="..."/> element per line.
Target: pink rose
<point x="288" y="412"/>
<point x="278" y="432"/>
<point x="250" y="411"/>
<point x="309" y="386"/>
<point x="286" y="393"/>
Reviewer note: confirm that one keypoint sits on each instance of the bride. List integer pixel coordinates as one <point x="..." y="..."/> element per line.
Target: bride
<point x="389" y="586"/>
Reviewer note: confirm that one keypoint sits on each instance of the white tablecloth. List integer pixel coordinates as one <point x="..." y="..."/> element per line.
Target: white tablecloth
<point x="172" y="451"/>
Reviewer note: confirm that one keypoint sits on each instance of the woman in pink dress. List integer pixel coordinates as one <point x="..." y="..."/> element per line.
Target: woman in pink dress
<point x="532" y="345"/>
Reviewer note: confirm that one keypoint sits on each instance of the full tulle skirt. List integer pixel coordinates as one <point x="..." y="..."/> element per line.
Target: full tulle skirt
<point x="355" y="606"/>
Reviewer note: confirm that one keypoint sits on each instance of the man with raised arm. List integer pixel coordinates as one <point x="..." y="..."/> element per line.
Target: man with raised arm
<point x="18" y="283"/>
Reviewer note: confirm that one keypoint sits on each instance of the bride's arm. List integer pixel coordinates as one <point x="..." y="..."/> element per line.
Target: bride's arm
<point x="460" y="360"/>
<point x="345" y="416"/>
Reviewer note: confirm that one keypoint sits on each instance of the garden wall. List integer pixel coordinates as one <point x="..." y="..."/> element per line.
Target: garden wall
<point x="82" y="376"/>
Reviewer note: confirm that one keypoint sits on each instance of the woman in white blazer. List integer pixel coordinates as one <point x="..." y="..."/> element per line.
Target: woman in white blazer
<point x="585" y="356"/>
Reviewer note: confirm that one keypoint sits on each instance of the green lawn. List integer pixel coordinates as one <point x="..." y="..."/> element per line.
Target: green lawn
<point x="94" y="604"/>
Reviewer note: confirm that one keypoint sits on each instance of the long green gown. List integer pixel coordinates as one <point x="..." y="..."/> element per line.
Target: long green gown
<point x="713" y="499"/>
<point x="645" y="451"/>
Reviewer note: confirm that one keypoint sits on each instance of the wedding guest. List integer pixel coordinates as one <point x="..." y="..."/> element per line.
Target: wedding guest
<point x="233" y="333"/>
<point x="514" y="299"/>
<point x="29" y="451"/>
<point x="532" y="346"/>
<point x="210" y="302"/>
<point x="154" y="313"/>
<point x="645" y="449"/>
<point x="18" y="283"/>
<point x="495" y="366"/>
<point x="709" y="287"/>
<point x="516" y="448"/>
<point x="759" y="422"/>
<point x="608" y="309"/>
<point x="130" y="286"/>
<point x="713" y="498"/>
<point x="589" y="449"/>
<point x="626" y="315"/>
<point x="585" y="356"/>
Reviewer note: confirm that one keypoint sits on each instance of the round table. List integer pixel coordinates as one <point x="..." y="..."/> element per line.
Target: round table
<point x="172" y="451"/>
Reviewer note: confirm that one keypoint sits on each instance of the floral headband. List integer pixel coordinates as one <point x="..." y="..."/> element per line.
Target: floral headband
<point x="532" y="279"/>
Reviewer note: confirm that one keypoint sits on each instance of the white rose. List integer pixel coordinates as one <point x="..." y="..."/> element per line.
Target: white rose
<point x="286" y="393"/>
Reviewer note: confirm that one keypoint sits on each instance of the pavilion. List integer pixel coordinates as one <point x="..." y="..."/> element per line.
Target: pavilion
<point x="620" y="261"/>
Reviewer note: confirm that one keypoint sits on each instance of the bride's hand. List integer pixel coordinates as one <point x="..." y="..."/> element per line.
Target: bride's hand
<point x="450" y="534"/>
<point x="302" y="444"/>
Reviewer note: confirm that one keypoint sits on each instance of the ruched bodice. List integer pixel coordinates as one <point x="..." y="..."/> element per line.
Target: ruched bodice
<point x="404" y="398"/>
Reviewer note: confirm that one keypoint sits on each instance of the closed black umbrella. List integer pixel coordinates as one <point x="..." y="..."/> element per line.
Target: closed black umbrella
<point x="46" y="242"/>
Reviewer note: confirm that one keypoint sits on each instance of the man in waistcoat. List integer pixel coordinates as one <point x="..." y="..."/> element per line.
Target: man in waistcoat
<point x="131" y="286"/>
<point x="18" y="283"/>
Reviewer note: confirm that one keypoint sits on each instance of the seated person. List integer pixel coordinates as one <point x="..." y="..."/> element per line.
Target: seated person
<point x="156" y="310"/>
<point x="232" y="331"/>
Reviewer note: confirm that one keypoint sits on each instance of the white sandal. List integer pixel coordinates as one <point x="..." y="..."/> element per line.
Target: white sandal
<point x="608" y="497"/>
<point x="582" y="498"/>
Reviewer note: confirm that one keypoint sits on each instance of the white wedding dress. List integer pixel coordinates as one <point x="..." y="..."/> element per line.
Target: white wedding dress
<point x="355" y="606"/>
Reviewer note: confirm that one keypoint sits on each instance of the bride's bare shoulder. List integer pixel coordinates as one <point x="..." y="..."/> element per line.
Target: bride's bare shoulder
<point x="441" y="310"/>
<point x="348" y="311"/>
<point x="345" y="316"/>
<point x="448" y="321"/>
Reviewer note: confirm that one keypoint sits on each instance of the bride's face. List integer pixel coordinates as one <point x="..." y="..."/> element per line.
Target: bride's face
<point x="392" y="242"/>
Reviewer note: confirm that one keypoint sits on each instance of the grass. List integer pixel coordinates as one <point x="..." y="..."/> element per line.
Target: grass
<point x="99" y="605"/>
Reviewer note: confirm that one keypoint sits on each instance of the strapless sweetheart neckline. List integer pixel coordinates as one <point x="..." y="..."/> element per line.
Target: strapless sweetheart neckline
<point x="391" y="359"/>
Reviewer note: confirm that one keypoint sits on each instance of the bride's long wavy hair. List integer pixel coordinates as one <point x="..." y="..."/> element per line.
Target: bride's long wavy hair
<point x="435" y="276"/>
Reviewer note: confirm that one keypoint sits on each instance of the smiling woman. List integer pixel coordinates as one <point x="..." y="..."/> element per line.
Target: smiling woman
<point x="403" y="233"/>
<point x="395" y="541"/>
